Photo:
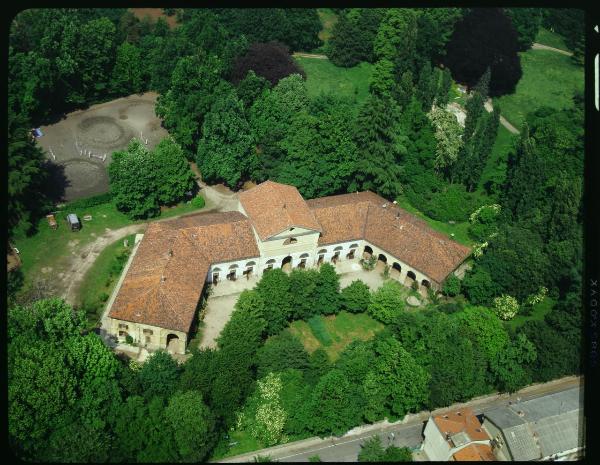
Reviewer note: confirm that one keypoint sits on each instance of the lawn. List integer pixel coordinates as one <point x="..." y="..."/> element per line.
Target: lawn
<point x="495" y="168"/>
<point x="549" y="79"/>
<point x="241" y="443"/>
<point x="323" y="77"/>
<point x="551" y="39"/>
<point x="47" y="253"/>
<point x="99" y="281"/>
<point x="460" y="230"/>
<point x="538" y="312"/>
<point x="335" y="331"/>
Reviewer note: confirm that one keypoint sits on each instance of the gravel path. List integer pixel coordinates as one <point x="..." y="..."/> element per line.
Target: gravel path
<point x="488" y="106"/>
<point x="537" y="46"/>
<point x="310" y="55"/>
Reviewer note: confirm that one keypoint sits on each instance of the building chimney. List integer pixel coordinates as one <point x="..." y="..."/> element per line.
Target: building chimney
<point x="170" y="252"/>
<point x="163" y="278"/>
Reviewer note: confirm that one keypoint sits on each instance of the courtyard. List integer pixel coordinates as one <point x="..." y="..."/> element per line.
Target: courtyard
<point x="224" y="295"/>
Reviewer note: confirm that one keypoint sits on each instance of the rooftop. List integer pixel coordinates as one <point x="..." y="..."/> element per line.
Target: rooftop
<point x="164" y="282"/>
<point x="543" y="426"/>
<point x="475" y="452"/>
<point x="460" y="427"/>
<point x="272" y="208"/>
<point x="365" y="215"/>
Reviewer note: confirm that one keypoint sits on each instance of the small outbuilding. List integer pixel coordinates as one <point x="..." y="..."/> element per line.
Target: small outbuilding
<point x="74" y="222"/>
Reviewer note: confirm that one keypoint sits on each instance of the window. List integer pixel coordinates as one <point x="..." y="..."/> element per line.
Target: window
<point x="148" y="331"/>
<point x="291" y="240"/>
<point x="148" y="340"/>
<point x="122" y="333"/>
<point x="123" y="326"/>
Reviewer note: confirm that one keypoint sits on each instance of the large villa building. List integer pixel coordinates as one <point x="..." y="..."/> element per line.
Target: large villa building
<point x="274" y="227"/>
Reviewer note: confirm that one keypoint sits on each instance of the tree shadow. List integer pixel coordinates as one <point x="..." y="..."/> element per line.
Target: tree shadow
<point x="56" y="182"/>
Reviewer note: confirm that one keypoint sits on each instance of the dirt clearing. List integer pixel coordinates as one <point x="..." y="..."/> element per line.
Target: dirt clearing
<point x="81" y="145"/>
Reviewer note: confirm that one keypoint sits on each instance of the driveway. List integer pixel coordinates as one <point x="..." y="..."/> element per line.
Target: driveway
<point x="218" y="312"/>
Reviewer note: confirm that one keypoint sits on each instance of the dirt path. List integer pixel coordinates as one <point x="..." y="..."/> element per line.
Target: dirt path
<point x="85" y="258"/>
<point x="537" y="46"/>
<point x="310" y="55"/>
<point x="488" y="106"/>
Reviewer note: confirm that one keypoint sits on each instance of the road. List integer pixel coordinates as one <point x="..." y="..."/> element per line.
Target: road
<point x="406" y="433"/>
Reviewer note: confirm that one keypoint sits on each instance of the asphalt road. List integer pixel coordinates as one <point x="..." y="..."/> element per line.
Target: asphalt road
<point x="406" y="434"/>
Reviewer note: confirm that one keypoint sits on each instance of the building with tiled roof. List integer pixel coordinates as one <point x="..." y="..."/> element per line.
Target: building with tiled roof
<point x="545" y="428"/>
<point x="456" y="435"/>
<point x="156" y="300"/>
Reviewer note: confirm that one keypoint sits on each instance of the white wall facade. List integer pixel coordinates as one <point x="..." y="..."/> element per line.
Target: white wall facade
<point x="404" y="268"/>
<point x="435" y="445"/>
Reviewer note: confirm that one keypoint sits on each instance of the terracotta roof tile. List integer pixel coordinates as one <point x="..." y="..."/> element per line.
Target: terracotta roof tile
<point x="463" y="420"/>
<point x="273" y="208"/>
<point x="475" y="452"/>
<point x="390" y="228"/>
<point x="167" y="274"/>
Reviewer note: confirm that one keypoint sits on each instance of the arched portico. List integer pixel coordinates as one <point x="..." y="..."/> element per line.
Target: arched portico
<point x="411" y="277"/>
<point x="321" y="256"/>
<point x="396" y="271"/>
<point x="336" y="254"/>
<point x="249" y="269"/>
<point x="351" y="254"/>
<point x="303" y="260"/>
<point x="286" y="263"/>
<point x="172" y="344"/>
<point x="367" y="252"/>
<point x="232" y="273"/>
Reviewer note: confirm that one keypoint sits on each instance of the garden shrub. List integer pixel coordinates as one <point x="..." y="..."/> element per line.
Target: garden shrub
<point x="451" y="286"/>
<point x="452" y="204"/>
<point x="198" y="202"/>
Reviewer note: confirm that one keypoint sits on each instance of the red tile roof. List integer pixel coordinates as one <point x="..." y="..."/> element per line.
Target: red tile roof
<point x="164" y="282"/>
<point x="463" y="420"/>
<point x="365" y="215"/>
<point x="167" y="274"/>
<point x="475" y="452"/>
<point x="272" y="208"/>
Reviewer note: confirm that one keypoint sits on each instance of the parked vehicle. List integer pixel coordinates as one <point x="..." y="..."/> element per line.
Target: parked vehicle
<point x="73" y="222"/>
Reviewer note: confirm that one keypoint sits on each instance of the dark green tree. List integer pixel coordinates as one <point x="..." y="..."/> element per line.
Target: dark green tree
<point x="356" y="297"/>
<point x="226" y="151"/>
<point x="381" y="147"/>
<point x="526" y="22"/>
<point x="159" y="375"/>
<point x="127" y="74"/>
<point x="279" y="353"/>
<point x="195" y="85"/>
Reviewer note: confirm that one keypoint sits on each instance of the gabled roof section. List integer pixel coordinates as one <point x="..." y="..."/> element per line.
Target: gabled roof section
<point x="164" y="282"/>
<point x="365" y="215"/>
<point x="272" y="208"/>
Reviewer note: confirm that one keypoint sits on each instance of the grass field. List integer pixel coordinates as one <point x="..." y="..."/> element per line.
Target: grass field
<point x="337" y="331"/>
<point x="551" y="39"/>
<point x="99" y="281"/>
<point x="323" y="77"/>
<point x="459" y="229"/>
<point x="538" y="312"/>
<point x="549" y="79"/>
<point x="495" y="168"/>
